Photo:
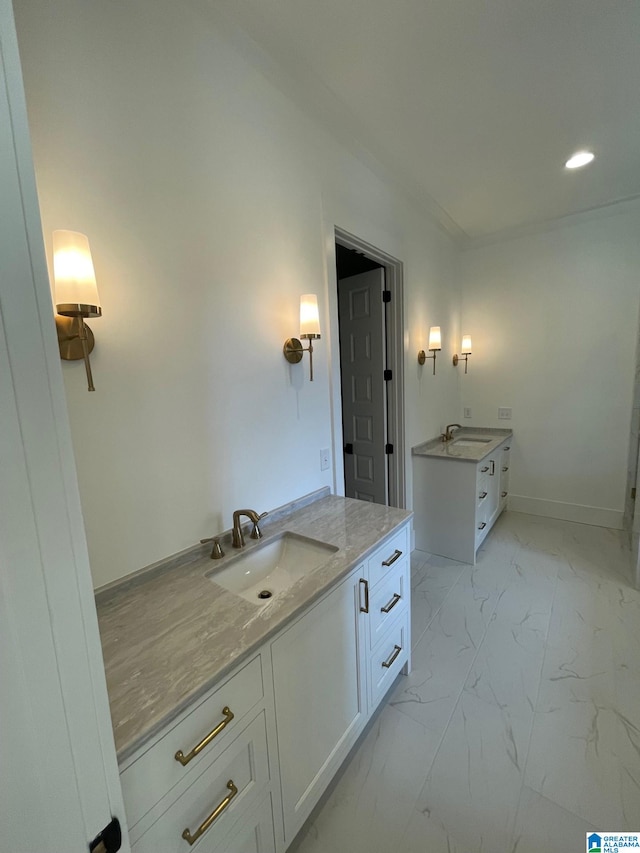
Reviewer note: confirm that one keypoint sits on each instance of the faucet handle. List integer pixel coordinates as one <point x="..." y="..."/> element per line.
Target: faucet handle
<point x="216" y="552"/>
<point x="256" y="533"/>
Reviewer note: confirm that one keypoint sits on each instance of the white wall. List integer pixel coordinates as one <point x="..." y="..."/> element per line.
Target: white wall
<point x="209" y="198"/>
<point x="553" y="316"/>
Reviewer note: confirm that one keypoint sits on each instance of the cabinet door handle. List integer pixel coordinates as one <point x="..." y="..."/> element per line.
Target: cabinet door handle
<point x="391" y="560"/>
<point x="482" y="526"/>
<point x="391" y="604"/>
<point x="504" y="494"/>
<point x="482" y="495"/>
<point x="394" y="654"/>
<point x="185" y="759"/>
<point x="484" y="470"/>
<point x="505" y="468"/>
<point x="191" y="839"/>
<point x="493" y="468"/>
<point x="365" y="609"/>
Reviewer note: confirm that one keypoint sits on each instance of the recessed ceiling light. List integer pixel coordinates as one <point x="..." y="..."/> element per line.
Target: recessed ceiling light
<point x="580" y="158"/>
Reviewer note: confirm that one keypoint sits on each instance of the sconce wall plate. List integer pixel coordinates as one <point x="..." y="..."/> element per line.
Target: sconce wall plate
<point x="293" y="350"/>
<point x="69" y="343"/>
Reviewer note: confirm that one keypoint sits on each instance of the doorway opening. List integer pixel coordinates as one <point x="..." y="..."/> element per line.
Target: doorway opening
<point x="370" y="322"/>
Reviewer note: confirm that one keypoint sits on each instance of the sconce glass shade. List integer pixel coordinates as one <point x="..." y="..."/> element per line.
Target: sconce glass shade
<point x="435" y="339"/>
<point x="309" y="316"/>
<point x="76" y="291"/>
<point x="465" y="349"/>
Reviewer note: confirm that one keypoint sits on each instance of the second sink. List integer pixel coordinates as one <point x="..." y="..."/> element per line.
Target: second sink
<point x="272" y="566"/>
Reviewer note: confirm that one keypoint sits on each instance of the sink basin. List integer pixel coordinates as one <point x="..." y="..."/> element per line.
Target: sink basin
<point x="272" y="566"/>
<point x="470" y="442"/>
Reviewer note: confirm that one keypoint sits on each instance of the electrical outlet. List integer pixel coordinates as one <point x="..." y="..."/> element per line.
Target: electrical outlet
<point x="467" y="411"/>
<point x="324" y="459"/>
<point x="504" y="413"/>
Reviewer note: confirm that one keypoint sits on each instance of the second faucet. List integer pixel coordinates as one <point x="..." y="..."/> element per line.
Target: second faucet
<point x="237" y="536"/>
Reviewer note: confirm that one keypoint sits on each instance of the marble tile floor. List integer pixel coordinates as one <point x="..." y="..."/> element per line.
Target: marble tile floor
<point x="518" y="729"/>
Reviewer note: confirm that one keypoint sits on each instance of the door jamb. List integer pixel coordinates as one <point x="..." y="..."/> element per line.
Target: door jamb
<point x="395" y="361"/>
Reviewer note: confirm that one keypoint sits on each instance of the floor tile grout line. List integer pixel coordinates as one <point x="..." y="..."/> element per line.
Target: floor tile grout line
<point x="438" y="609"/>
<point x="535" y="709"/>
<point x="455" y="705"/>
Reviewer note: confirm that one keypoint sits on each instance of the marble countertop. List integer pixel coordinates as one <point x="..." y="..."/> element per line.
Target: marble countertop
<point x="451" y="450"/>
<point x="167" y="638"/>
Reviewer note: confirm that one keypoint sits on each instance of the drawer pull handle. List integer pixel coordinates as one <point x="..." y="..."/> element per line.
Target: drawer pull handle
<point x="396" y="651"/>
<point x="389" y="607"/>
<point x="396" y="556"/>
<point x="483" y="495"/>
<point x="185" y="759"/>
<point x="505" y="468"/>
<point x="507" y="448"/>
<point x="191" y="839"/>
<point x="482" y="526"/>
<point x="365" y="609"/>
<point x="504" y="494"/>
<point x="484" y="470"/>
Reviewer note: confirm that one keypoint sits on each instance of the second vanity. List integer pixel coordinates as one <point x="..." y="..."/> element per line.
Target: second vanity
<point x="460" y="487"/>
<point x="231" y="717"/>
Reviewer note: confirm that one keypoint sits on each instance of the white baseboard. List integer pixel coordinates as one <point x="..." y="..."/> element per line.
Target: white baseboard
<point x="595" y="515"/>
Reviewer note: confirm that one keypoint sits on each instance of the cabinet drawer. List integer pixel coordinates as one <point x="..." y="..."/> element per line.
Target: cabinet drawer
<point x="484" y="470"/>
<point x="256" y="836"/>
<point x="234" y="784"/>
<point x="482" y="525"/>
<point x="482" y="490"/>
<point x="388" y="658"/>
<point x="382" y="560"/>
<point x="388" y="600"/>
<point x="156" y="772"/>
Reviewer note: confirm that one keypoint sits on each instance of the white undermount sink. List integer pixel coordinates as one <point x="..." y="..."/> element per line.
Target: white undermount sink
<point x="272" y="566"/>
<point x="470" y="442"/>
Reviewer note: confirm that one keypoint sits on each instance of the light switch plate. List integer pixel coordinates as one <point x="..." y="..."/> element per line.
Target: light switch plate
<point x="324" y="459"/>
<point x="504" y="413"/>
<point x="467" y="411"/>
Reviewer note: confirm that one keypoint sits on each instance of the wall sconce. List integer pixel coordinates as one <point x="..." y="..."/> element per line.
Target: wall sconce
<point x="465" y="350"/>
<point x="435" y="345"/>
<point x="309" y="331"/>
<point x="76" y="297"/>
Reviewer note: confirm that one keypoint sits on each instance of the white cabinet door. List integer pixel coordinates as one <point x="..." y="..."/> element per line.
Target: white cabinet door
<point x="320" y="698"/>
<point x="59" y="784"/>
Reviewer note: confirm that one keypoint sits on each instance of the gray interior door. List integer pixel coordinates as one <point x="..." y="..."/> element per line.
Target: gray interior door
<point x="364" y="409"/>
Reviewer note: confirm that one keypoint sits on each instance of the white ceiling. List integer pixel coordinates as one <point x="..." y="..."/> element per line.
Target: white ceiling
<point x="476" y="103"/>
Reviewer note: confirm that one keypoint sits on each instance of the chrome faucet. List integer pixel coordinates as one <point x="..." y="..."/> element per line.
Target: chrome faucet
<point x="447" y="435"/>
<point x="237" y="537"/>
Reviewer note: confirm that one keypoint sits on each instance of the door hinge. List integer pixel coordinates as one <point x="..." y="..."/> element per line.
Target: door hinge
<point x="388" y="375"/>
<point x="386" y="296"/>
<point x="109" y="840"/>
<point x="388" y="449"/>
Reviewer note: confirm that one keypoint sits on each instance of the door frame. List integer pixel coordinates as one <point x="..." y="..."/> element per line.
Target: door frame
<point x="395" y="360"/>
<point x="60" y="785"/>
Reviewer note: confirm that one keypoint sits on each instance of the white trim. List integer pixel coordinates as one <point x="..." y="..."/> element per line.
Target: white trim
<point x="567" y="220"/>
<point x="598" y="516"/>
<point x="395" y="359"/>
<point x="60" y="782"/>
